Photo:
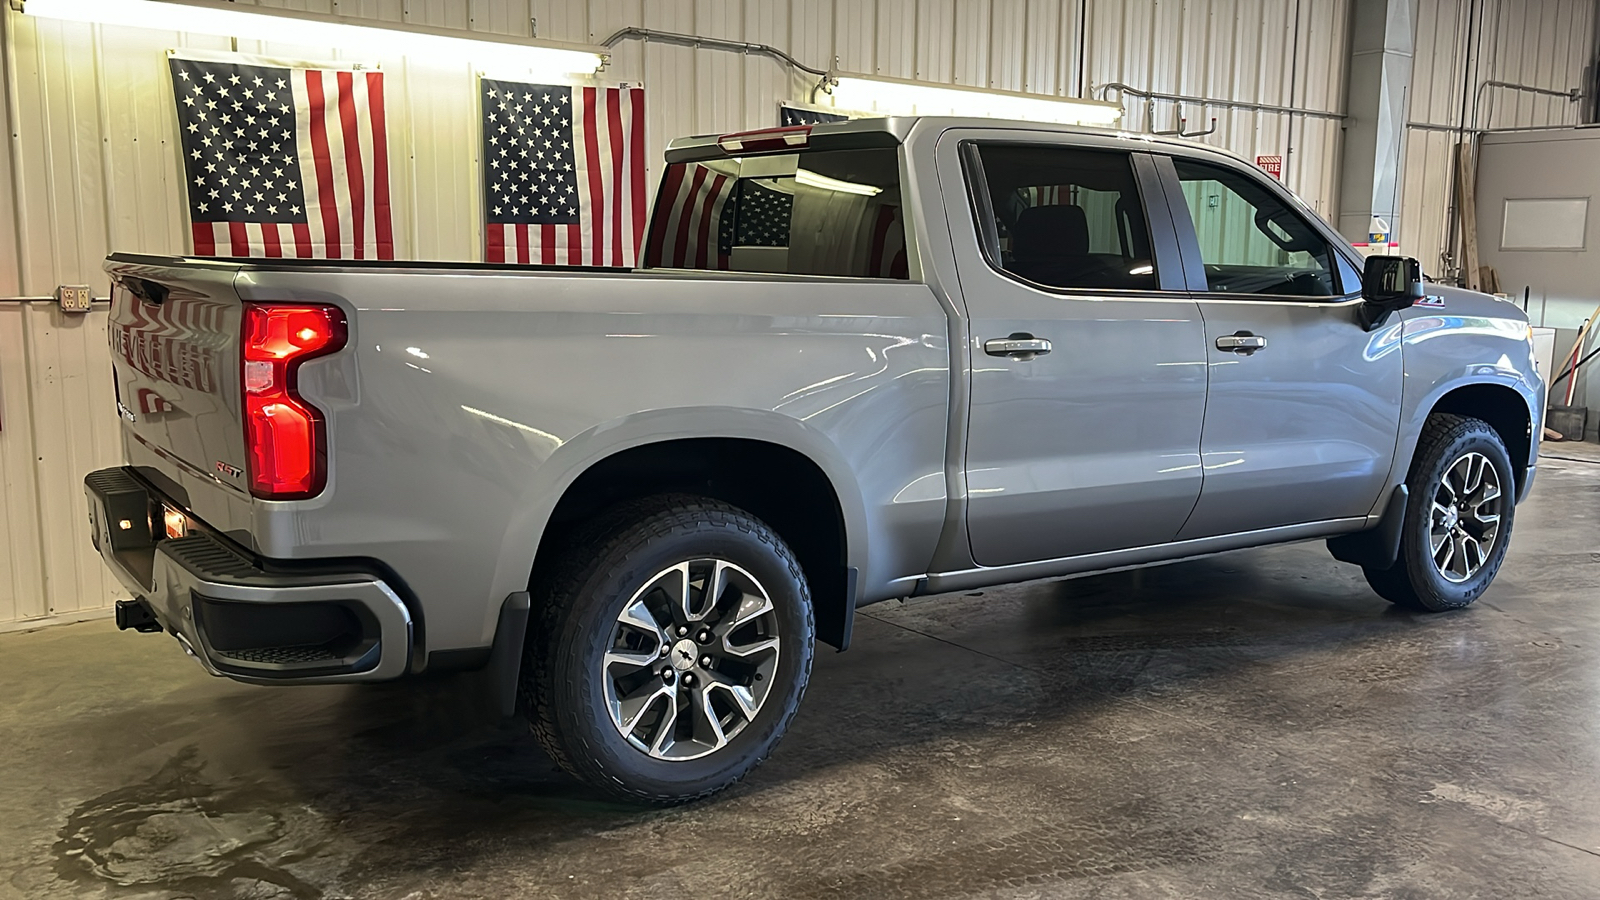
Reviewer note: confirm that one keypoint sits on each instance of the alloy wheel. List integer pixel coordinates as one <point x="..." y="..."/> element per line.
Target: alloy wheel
<point x="1465" y="520"/>
<point x="691" y="659"/>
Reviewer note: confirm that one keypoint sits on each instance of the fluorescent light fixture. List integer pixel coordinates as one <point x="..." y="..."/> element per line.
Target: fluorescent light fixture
<point x="812" y="179"/>
<point x="907" y="98"/>
<point x="314" y="30"/>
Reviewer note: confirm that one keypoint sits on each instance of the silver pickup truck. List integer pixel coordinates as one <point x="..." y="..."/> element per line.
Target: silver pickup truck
<point x="862" y="361"/>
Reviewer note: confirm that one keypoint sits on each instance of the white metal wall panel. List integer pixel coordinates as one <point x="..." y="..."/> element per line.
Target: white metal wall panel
<point x="936" y="41"/>
<point x="21" y="566"/>
<point x="1542" y="43"/>
<point x="59" y="423"/>
<point x="70" y="370"/>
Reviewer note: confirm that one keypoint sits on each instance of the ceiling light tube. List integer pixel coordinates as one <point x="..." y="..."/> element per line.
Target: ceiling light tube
<point x="888" y="96"/>
<point x="313" y="30"/>
<point x="812" y="179"/>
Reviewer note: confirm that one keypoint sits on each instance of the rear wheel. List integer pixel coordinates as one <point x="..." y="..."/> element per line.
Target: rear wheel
<point x="1458" y="521"/>
<point x="671" y="648"/>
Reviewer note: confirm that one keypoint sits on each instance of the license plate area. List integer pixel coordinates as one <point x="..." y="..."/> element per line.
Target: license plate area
<point x="174" y="523"/>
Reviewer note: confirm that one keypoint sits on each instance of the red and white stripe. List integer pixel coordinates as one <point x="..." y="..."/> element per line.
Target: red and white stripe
<point x="684" y="232"/>
<point x="608" y="152"/>
<point x="344" y="164"/>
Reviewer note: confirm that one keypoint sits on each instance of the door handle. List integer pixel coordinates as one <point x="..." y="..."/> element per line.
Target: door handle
<point x="1020" y="345"/>
<point x="1241" y="342"/>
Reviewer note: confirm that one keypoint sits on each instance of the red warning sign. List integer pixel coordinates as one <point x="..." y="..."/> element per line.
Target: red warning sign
<point x="1272" y="165"/>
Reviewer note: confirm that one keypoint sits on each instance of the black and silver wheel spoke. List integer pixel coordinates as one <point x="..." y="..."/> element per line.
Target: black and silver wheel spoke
<point x="1464" y="521"/>
<point x="692" y="658"/>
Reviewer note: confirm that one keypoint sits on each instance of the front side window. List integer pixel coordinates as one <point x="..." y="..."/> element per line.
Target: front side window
<point x="821" y="212"/>
<point x="1251" y="241"/>
<point x="1066" y="217"/>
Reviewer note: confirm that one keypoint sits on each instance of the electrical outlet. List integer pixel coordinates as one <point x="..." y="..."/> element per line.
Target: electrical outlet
<point x="74" y="297"/>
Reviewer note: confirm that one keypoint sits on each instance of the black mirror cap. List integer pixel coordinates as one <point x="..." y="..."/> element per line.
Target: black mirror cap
<point x="1388" y="284"/>
<point x="1393" y="282"/>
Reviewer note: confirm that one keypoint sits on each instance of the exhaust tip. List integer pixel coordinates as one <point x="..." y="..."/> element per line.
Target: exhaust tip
<point x="137" y="615"/>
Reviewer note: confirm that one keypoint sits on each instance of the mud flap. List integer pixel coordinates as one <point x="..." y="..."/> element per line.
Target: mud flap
<point x="1375" y="548"/>
<point x="505" y="657"/>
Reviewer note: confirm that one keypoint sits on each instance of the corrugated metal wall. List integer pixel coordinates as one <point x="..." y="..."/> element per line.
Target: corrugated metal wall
<point x="94" y="169"/>
<point x="98" y="170"/>
<point x="57" y="422"/>
<point x="1460" y="45"/>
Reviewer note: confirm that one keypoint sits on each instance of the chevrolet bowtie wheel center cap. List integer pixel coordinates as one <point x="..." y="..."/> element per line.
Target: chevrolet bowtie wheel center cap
<point x="683" y="654"/>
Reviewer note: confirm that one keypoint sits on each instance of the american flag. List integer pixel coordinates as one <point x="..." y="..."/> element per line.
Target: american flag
<point x="284" y="161"/>
<point x="704" y="215"/>
<point x="563" y="173"/>
<point x="713" y="212"/>
<point x="692" y="227"/>
<point x="799" y="115"/>
<point x="765" y="216"/>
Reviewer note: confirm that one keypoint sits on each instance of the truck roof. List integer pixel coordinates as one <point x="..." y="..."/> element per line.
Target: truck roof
<point x="895" y="129"/>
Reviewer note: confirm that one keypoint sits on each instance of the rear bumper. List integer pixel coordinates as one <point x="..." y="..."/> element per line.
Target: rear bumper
<point x="237" y="618"/>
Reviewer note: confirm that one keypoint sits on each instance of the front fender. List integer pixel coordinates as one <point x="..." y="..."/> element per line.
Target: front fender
<point x="1463" y="339"/>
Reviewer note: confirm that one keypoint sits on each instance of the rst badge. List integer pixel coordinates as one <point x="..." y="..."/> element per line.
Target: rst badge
<point x="230" y="471"/>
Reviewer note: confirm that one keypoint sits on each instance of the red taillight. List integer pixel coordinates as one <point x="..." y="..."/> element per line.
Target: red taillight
<point x="287" y="447"/>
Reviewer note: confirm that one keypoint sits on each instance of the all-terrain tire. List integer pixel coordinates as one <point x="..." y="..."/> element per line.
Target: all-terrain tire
<point x="577" y="603"/>
<point x="1417" y="580"/>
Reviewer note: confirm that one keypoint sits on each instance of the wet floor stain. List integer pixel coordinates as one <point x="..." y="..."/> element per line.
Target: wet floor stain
<point x="177" y="832"/>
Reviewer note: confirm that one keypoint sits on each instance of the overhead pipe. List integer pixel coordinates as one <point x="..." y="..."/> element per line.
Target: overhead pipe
<point x="698" y="42"/>
<point x="1573" y="95"/>
<point x="1151" y="96"/>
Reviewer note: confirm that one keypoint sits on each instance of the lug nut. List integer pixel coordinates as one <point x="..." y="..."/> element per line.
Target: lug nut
<point x="687" y="679"/>
<point x="683" y="630"/>
<point x="667" y="674"/>
<point x="665" y="649"/>
<point x="704" y="636"/>
<point x="705" y="662"/>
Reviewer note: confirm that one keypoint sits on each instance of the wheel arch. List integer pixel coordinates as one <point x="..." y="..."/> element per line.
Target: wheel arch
<point x="1505" y="410"/>
<point x="806" y="501"/>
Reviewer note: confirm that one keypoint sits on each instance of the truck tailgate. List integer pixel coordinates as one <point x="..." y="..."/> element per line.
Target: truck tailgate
<point x="174" y="334"/>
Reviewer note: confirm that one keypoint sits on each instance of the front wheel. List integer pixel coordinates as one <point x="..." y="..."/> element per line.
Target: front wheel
<point x="670" y="649"/>
<point x="1458" y="521"/>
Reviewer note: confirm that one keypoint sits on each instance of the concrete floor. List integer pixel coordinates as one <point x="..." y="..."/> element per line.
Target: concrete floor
<point x="1253" y="725"/>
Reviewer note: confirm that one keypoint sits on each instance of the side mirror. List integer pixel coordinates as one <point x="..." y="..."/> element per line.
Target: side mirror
<point x="1389" y="284"/>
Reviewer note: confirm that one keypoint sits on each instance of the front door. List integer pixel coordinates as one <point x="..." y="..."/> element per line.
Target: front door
<point x="1304" y="403"/>
<point x="1087" y="355"/>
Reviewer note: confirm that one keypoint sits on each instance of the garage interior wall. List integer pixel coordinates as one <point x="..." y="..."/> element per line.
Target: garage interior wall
<point x="1461" y="45"/>
<point x="92" y="166"/>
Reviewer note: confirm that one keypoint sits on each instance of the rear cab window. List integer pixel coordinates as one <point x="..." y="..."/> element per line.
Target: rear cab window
<point x="815" y="212"/>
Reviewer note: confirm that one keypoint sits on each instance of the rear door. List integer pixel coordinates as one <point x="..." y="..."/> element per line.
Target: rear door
<point x="1304" y="403"/>
<point x="1088" y="368"/>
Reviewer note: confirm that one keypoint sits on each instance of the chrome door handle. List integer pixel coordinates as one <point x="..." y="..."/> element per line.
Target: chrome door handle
<point x="1018" y="346"/>
<point x="1242" y="342"/>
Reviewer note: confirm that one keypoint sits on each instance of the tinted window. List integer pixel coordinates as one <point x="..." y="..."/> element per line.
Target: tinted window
<point x="1067" y="218"/>
<point x="1250" y="241"/>
<point x="826" y="212"/>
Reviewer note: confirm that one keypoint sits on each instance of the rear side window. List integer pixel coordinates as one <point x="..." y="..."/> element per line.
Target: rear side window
<point x="1067" y="218"/>
<point x="823" y="212"/>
